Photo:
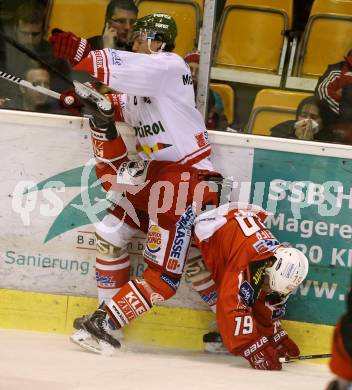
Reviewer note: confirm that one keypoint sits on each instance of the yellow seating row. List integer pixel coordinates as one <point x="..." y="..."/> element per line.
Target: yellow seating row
<point x="251" y="33"/>
<point x="227" y="95"/>
<point x="271" y="107"/>
<point x="85" y="18"/>
<point x="326" y="39"/>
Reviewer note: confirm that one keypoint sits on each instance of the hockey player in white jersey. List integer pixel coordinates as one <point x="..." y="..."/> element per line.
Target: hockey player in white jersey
<point x="157" y="96"/>
<point x="157" y="99"/>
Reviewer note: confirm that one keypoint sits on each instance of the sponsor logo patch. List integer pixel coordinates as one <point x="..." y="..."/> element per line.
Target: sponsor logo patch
<point x="266" y="245"/>
<point x="246" y="293"/>
<point x="104" y="281"/>
<point x="156" y="242"/>
<point x="278" y="313"/>
<point x="154" y="239"/>
<point x="211" y="298"/>
<point x="180" y="243"/>
<point x="116" y="59"/>
<point x="173" y="283"/>
<point x="202" y="139"/>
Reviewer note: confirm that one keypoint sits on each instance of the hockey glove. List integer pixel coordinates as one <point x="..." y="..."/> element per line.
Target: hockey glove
<point x="261" y="355"/>
<point x="284" y="345"/>
<point x="70" y="101"/>
<point x="68" y="46"/>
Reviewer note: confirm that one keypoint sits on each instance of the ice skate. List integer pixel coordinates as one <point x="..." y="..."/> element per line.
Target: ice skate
<point x="93" y="335"/>
<point x="213" y="343"/>
<point x="110" y="328"/>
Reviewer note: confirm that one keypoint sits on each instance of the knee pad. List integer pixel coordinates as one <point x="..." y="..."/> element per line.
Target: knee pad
<point x="112" y="261"/>
<point x="114" y="231"/>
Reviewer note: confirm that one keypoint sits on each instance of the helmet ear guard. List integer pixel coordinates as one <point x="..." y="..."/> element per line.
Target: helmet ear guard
<point x="288" y="271"/>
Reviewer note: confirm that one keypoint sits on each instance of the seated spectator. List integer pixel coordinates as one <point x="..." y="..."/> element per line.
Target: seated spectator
<point x="120" y="17"/>
<point x="216" y="119"/>
<point x="32" y="100"/>
<point x="334" y="88"/>
<point x="309" y="124"/>
<point x="29" y="31"/>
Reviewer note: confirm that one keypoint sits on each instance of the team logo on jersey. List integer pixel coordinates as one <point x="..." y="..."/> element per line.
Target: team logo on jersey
<point x="154" y="239"/>
<point x="149" y="150"/>
<point x="266" y="245"/>
<point x="246" y="293"/>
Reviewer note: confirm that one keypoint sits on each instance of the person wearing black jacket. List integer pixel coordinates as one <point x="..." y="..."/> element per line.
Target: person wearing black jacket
<point x="120" y="17"/>
<point x="309" y="125"/>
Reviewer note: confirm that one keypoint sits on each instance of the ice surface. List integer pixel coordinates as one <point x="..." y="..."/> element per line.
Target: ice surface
<point x="44" y="361"/>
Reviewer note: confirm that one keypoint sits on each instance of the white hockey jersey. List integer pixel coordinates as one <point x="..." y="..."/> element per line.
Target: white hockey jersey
<point x="157" y="99"/>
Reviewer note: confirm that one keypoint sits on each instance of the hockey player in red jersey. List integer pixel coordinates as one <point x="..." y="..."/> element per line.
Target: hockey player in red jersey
<point x="254" y="275"/>
<point x="341" y="360"/>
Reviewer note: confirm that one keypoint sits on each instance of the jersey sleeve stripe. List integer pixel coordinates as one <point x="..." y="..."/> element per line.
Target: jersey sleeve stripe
<point x="196" y="156"/>
<point x="107" y="69"/>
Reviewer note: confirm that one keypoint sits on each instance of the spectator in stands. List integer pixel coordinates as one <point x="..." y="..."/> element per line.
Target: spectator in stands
<point x="309" y="124"/>
<point x="334" y="88"/>
<point x="120" y="17"/>
<point x="29" y="30"/>
<point x="216" y="119"/>
<point x="32" y="100"/>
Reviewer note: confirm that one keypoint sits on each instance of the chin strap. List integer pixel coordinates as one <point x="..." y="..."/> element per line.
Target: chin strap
<point x="152" y="51"/>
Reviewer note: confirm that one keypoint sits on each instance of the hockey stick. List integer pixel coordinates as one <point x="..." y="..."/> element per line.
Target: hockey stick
<point x="27" y="84"/>
<point x="288" y="359"/>
<point x="34" y="56"/>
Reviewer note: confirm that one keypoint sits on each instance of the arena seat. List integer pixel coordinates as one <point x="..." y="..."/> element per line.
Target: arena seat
<point x="84" y="18"/>
<point x="326" y="40"/>
<point x="227" y="95"/>
<point x="187" y="14"/>
<point x="251" y="38"/>
<point x="273" y="106"/>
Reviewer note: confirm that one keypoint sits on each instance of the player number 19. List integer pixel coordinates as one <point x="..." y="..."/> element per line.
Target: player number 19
<point x="244" y="325"/>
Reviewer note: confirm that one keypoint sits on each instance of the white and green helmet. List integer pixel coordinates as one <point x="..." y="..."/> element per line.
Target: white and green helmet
<point x="157" y="26"/>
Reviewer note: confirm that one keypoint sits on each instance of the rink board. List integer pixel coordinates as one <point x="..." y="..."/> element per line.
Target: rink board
<point x="163" y="326"/>
<point x="51" y="200"/>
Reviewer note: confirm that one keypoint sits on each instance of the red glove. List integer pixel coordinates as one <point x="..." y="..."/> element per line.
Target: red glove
<point x="70" y="47"/>
<point x="69" y="100"/>
<point x="261" y="355"/>
<point x="284" y="345"/>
